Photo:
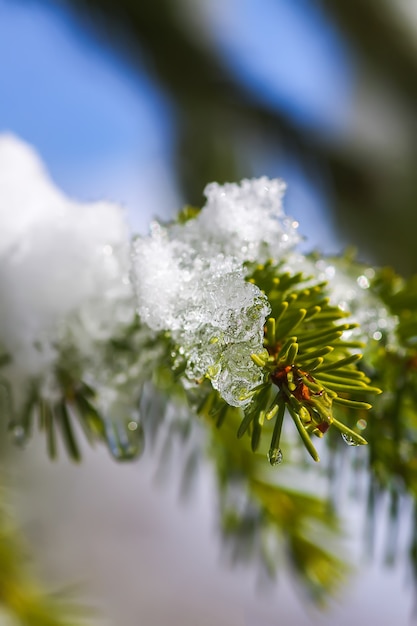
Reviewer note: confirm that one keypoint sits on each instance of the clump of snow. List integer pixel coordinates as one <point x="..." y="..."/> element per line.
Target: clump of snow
<point x="65" y="281"/>
<point x="244" y="220"/>
<point x="190" y="280"/>
<point x="64" y="270"/>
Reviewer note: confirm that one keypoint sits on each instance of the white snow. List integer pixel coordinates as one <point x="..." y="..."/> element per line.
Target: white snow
<point x="64" y="268"/>
<point x="65" y="279"/>
<point x="244" y="220"/>
<point x="190" y="280"/>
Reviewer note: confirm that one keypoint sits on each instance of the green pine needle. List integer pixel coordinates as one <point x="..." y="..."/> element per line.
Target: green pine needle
<point x="309" y="362"/>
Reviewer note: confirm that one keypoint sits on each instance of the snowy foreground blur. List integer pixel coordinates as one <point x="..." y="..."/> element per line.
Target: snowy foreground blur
<point x="64" y="271"/>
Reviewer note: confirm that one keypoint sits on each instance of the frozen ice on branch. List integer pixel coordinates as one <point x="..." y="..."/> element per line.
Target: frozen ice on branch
<point x="190" y="281"/>
<point x="222" y="286"/>
<point x="221" y="294"/>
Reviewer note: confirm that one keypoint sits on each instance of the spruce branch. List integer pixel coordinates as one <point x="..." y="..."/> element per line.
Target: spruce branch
<point x="223" y="313"/>
<point x="80" y="408"/>
<point x="259" y="511"/>
<point x="307" y="359"/>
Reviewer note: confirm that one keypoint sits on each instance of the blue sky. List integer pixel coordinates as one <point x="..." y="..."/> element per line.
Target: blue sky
<point x="290" y="55"/>
<point x="65" y="91"/>
<point x="104" y="129"/>
<point x="95" y="122"/>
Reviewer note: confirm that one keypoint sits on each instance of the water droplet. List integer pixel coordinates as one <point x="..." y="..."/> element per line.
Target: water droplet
<point x="330" y="271"/>
<point x="125" y="439"/>
<point x="349" y="440"/>
<point x="369" y="272"/>
<point x="363" y="282"/>
<point x="107" y="250"/>
<point x="19" y="435"/>
<point x="361" y="424"/>
<point x="377" y="335"/>
<point x="275" y="456"/>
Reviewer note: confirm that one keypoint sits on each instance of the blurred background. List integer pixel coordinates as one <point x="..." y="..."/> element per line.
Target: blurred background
<point x="143" y="103"/>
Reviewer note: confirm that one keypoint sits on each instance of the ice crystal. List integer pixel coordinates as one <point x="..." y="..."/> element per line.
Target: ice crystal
<point x="214" y="315"/>
<point x="190" y="280"/>
<point x="244" y="220"/>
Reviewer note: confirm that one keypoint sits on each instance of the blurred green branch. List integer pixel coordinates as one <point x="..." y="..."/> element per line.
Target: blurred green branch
<point x="381" y="39"/>
<point x="22" y="600"/>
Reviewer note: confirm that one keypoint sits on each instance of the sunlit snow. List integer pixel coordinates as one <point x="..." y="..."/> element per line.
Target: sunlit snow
<point x="190" y="280"/>
<point x="64" y="268"/>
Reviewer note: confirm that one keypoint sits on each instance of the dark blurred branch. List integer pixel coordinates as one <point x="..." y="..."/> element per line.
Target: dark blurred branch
<point x="381" y="39"/>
